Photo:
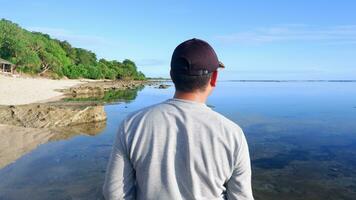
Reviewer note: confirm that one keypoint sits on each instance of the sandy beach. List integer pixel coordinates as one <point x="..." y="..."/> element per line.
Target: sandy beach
<point x="23" y="90"/>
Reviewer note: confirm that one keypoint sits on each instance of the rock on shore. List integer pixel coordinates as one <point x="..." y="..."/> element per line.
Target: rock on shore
<point x="50" y="115"/>
<point x="99" y="87"/>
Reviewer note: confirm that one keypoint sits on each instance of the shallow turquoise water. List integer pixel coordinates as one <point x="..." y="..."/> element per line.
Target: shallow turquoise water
<point x="302" y="138"/>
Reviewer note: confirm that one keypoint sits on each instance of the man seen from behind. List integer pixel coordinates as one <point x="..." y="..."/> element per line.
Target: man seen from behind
<point x="181" y="148"/>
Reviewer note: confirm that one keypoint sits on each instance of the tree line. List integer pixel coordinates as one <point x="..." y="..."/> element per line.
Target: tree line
<point x="38" y="53"/>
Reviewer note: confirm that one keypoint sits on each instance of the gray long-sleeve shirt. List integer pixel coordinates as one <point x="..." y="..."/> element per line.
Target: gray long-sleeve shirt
<point x="178" y="149"/>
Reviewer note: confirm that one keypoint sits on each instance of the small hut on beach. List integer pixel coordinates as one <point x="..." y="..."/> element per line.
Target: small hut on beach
<point x="6" y="66"/>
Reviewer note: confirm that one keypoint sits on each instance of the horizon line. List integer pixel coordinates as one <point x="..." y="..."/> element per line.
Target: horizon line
<point x="292" y="80"/>
<point x="270" y="80"/>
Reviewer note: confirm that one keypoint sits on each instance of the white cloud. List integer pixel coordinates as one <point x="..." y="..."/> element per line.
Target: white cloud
<point x="79" y="40"/>
<point x="345" y="34"/>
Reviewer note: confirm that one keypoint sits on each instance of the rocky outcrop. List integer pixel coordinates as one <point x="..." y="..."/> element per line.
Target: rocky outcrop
<point x="100" y="87"/>
<point x="51" y="115"/>
<point x="23" y="128"/>
<point x="163" y="86"/>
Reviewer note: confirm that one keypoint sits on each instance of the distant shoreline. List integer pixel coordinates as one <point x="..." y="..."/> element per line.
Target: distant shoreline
<point x="273" y="81"/>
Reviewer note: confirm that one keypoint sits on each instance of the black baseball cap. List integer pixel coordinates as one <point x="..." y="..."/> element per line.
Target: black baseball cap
<point x="194" y="57"/>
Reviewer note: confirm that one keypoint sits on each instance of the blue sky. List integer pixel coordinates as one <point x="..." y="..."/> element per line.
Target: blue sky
<point x="273" y="39"/>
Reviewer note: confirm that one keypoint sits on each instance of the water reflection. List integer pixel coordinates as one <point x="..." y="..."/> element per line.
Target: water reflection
<point x="66" y="161"/>
<point x="305" y="163"/>
<point x="17" y="141"/>
<point x="302" y="142"/>
<point x="110" y="96"/>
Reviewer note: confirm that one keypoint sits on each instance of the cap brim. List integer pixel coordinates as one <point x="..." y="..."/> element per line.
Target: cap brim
<point x="221" y="65"/>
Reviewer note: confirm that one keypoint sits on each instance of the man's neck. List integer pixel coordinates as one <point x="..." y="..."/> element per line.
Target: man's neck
<point x="191" y="96"/>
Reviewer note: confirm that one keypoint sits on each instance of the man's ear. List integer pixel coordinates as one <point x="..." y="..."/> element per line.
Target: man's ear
<point x="214" y="78"/>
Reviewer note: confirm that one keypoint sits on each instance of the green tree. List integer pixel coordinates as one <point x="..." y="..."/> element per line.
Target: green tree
<point x="35" y="52"/>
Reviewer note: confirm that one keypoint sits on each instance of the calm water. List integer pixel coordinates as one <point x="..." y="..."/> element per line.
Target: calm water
<point x="302" y="139"/>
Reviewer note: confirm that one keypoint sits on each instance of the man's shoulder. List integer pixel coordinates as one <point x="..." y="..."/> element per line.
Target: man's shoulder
<point x="157" y="110"/>
<point x="149" y="110"/>
<point x="225" y="122"/>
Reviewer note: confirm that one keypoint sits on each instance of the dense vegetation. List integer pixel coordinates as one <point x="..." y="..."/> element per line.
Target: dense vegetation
<point x="38" y="53"/>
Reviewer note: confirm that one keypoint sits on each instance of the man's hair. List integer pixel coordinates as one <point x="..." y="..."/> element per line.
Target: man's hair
<point x="186" y="83"/>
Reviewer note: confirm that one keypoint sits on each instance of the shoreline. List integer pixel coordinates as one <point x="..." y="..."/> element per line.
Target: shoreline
<point x="28" y="122"/>
<point x="26" y="90"/>
<point x="31" y="90"/>
<point x="41" y="102"/>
